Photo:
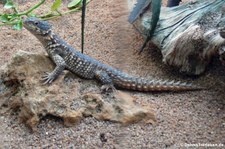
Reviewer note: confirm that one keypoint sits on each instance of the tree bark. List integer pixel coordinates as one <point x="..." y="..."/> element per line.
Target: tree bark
<point x="172" y="3"/>
<point x="188" y="35"/>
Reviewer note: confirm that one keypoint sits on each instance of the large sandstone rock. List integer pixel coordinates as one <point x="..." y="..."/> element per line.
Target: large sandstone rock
<point x="69" y="97"/>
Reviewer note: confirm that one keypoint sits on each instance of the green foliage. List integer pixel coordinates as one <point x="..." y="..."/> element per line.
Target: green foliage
<point x="9" y="4"/>
<point x="76" y="3"/>
<point x="56" y="5"/>
<point x="4" y="18"/>
<point x="18" y="26"/>
<point x="15" y="19"/>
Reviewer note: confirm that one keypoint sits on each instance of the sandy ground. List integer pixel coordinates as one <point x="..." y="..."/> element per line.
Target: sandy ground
<point x="183" y="118"/>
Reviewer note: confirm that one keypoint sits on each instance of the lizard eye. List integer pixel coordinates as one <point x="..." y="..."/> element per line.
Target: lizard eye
<point x="36" y="23"/>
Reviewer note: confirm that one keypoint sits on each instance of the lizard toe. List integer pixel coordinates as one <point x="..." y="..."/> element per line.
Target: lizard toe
<point x="47" y="78"/>
<point x="108" y="88"/>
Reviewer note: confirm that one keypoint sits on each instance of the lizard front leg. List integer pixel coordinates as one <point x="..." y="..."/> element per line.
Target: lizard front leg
<point x="60" y="66"/>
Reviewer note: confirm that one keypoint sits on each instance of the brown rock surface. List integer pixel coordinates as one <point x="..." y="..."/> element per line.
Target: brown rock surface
<point x="37" y="100"/>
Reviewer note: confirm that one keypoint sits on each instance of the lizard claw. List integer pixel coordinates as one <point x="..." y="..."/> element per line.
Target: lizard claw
<point x="47" y="78"/>
<point x="107" y="88"/>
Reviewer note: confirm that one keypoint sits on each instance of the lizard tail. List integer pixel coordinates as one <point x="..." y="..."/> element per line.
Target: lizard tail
<point x="140" y="84"/>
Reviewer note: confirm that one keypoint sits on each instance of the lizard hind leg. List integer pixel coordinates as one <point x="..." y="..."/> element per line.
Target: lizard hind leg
<point x="105" y="79"/>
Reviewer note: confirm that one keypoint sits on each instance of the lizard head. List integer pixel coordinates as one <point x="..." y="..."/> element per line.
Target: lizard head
<point x="37" y="26"/>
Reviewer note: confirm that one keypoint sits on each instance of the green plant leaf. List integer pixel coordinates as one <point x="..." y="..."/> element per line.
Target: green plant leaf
<point x="7" y="17"/>
<point x="74" y="3"/>
<point x="18" y="26"/>
<point x="4" y="18"/>
<point x="8" y="5"/>
<point x="12" y="16"/>
<point x="56" y="5"/>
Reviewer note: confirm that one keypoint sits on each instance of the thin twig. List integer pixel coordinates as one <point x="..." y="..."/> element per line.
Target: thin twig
<point x="83" y="24"/>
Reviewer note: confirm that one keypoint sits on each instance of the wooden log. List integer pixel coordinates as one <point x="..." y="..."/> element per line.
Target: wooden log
<point x="188" y="35"/>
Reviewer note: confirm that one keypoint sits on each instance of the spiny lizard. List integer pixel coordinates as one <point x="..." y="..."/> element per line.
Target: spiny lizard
<point x="66" y="57"/>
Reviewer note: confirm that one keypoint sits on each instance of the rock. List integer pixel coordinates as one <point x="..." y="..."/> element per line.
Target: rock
<point x="61" y="99"/>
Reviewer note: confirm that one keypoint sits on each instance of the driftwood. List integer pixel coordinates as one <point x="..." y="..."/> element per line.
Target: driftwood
<point x="188" y="35"/>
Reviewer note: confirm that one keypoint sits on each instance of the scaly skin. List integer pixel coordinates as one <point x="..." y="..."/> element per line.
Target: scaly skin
<point x="66" y="57"/>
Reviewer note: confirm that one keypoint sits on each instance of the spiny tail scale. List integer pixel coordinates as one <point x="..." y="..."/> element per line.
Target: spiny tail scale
<point x="142" y="84"/>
